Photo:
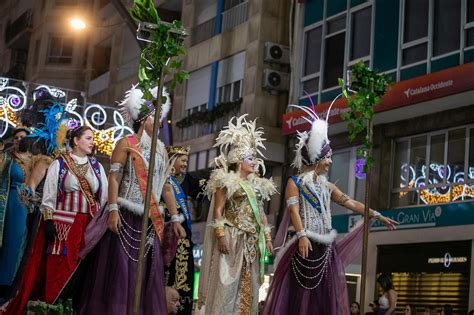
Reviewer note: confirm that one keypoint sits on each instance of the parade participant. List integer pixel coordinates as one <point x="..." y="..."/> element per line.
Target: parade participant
<point x="110" y="284"/>
<point x="180" y="273"/>
<point x="14" y="169"/>
<point x="238" y="234"/>
<point x="18" y="134"/>
<point x="309" y="277"/>
<point x="47" y="137"/>
<point x="75" y="190"/>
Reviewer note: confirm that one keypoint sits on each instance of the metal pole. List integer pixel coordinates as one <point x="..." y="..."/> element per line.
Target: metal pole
<point x="366" y="224"/>
<point x="149" y="183"/>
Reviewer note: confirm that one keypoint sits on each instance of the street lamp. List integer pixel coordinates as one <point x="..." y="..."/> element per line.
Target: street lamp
<point x="77" y="24"/>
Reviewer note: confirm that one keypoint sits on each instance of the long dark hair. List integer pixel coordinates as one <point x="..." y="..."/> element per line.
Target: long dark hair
<point x="76" y="133"/>
<point x="385" y="281"/>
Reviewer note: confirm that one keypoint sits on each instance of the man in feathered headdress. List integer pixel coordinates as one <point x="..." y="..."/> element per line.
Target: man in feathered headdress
<point x="110" y="284"/>
<point x="310" y="268"/>
<point x="238" y="234"/>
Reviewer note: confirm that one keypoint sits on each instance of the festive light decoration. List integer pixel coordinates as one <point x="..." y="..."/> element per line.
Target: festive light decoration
<point x="455" y="189"/>
<point x="13" y="99"/>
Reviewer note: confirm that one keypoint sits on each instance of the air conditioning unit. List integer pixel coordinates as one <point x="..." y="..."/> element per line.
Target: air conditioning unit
<point x="275" y="53"/>
<point x="275" y="80"/>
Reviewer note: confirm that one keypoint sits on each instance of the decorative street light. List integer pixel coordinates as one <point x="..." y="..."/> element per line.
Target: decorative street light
<point x="77" y="23"/>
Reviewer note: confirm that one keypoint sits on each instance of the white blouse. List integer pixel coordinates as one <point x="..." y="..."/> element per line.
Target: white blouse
<point x="71" y="183"/>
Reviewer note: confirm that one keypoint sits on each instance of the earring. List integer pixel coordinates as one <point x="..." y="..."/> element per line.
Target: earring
<point x="173" y="170"/>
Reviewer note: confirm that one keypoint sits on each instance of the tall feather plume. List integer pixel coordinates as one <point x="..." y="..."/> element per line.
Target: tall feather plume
<point x="131" y="104"/>
<point x="166" y="106"/>
<point x="317" y="138"/>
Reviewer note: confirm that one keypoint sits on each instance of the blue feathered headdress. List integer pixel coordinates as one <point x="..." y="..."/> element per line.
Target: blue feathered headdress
<point x="53" y="117"/>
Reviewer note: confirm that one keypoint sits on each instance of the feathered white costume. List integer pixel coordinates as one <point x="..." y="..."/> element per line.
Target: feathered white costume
<point x="229" y="283"/>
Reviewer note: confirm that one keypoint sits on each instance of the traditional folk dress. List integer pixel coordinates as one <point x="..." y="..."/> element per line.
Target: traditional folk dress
<point x="110" y="284"/>
<point x="315" y="284"/>
<point x="180" y="272"/>
<point x="229" y="283"/>
<point x="13" y="214"/>
<point x="75" y="189"/>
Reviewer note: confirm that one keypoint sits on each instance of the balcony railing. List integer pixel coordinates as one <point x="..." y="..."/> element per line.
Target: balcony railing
<point x="234" y="16"/>
<point x="22" y="23"/>
<point x="203" y="31"/>
<point x="199" y="130"/>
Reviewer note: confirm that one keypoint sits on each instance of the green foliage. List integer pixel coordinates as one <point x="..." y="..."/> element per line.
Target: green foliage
<point x="42" y="308"/>
<point x="370" y="87"/>
<point x="219" y="111"/>
<point x="166" y="42"/>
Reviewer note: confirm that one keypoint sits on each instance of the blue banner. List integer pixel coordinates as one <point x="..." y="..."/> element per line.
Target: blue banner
<point x="414" y="217"/>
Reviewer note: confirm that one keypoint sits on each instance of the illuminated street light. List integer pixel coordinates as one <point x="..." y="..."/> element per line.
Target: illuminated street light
<point x="78" y="24"/>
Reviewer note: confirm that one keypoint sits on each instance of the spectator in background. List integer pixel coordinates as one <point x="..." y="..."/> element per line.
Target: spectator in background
<point x="429" y="310"/>
<point x="447" y="309"/>
<point x="355" y="308"/>
<point x="18" y="134"/>
<point x="375" y="308"/>
<point x="410" y="309"/>
<point x="172" y="300"/>
<point x="388" y="299"/>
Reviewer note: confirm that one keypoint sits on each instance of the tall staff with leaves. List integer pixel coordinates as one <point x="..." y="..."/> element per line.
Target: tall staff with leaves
<point x="370" y="87"/>
<point x="164" y="43"/>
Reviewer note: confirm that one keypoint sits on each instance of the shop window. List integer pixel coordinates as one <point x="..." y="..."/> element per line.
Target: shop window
<point x="60" y="50"/>
<point x="433" y="168"/>
<point x="346" y="173"/>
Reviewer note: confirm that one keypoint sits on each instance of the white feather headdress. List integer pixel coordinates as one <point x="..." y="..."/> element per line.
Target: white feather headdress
<point x="135" y="108"/>
<point x="238" y="140"/>
<point x="314" y="144"/>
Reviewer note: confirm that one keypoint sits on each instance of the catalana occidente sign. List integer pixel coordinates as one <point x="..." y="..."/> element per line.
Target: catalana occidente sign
<point x="415" y="217"/>
<point x="408" y="92"/>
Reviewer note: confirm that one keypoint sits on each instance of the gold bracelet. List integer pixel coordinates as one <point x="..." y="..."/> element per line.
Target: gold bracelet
<point x="219" y="231"/>
<point x="47" y="214"/>
<point x="268" y="236"/>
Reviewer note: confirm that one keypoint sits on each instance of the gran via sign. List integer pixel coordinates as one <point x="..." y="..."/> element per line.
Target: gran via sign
<point x="415" y="217"/>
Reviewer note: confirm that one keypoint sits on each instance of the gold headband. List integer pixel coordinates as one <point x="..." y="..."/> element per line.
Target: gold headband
<point x="177" y="150"/>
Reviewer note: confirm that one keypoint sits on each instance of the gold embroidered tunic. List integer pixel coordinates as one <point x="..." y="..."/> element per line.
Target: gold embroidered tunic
<point x="229" y="283"/>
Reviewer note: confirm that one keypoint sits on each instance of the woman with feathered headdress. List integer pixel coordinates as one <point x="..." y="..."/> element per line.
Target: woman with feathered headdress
<point x="238" y="234"/>
<point x="309" y="276"/>
<point x="110" y="284"/>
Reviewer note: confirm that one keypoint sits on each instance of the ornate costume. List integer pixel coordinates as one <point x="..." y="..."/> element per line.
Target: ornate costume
<point x="314" y="284"/>
<point x="13" y="213"/>
<point x="229" y="283"/>
<point x="110" y="285"/>
<point x="179" y="273"/>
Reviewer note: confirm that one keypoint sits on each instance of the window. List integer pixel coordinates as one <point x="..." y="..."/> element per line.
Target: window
<point x="470" y="23"/>
<point x="312" y="51"/>
<point x="312" y="60"/>
<point x="440" y="168"/>
<point x="228" y="4"/>
<point x="346" y="174"/>
<point x="334" y="63"/>
<point x="60" y="50"/>
<point x="360" y="37"/>
<point x="101" y="60"/>
<point x="446" y="31"/>
<point x="229" y="92"/>
<point x="415" y="33"/>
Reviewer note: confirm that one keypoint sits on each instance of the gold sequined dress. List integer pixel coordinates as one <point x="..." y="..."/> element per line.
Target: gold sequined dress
<point x="229" y="283"/>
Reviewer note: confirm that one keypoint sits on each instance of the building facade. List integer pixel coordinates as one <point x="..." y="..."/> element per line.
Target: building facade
<point x="423" y="136"/>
